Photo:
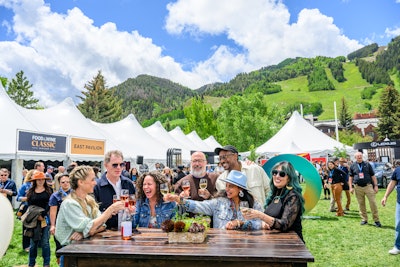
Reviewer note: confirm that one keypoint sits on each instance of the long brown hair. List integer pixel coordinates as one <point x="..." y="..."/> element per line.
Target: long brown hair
<point x="31" y="190"/>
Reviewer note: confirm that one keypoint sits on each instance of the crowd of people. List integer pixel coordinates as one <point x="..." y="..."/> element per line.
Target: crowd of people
<point x="79" y="201"/>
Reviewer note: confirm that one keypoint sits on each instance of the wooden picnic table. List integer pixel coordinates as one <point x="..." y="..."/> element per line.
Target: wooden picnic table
<point x="151" y="248"/>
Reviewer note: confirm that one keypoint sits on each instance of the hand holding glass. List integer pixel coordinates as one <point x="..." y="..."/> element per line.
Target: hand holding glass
<point x="244" y="206"/>
<point x="203" y="186"/>
<point x="186" y="188"/>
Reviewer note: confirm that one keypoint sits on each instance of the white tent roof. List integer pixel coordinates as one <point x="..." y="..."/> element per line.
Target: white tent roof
<point x="12" y="120"/>
<point x="211" y="142"/>
<point x="158" y="132"/>
<point x="65" y="119"/>
<point x="195" y="138"/>
<point x="299" y="136"/>
<point x="179" y="136"/>
<point x="133" y="139"/>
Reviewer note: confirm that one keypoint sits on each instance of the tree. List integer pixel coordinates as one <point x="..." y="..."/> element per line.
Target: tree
<point x="19" y="91"/>
<point x="3" y="81"/>
<point x="389" y="113"/>
<point x="345" y="119"/>
<point x="247" y="120"/>
<point x="99" y="103"/>
<point x="200" y="118"/>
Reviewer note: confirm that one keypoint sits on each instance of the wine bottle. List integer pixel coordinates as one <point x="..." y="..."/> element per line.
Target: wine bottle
<point x="126" y="223"/>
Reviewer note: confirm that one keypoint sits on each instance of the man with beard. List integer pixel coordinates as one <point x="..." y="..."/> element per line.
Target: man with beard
<point x="111" y="183"/>
<point x="198" y="171"/>
<point x="257" y="179"/>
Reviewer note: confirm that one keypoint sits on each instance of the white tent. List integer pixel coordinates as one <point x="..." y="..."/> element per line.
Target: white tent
<point x="195" y="138"/>
<point x="133" y="139"/>
<point x="158" y="132"/>
<point x="65" y="119"/>
<point x="179" y="136"/>
<point x="299" y="136"/>
<point x="211" y="142"/>
<point x="12" y="119"/>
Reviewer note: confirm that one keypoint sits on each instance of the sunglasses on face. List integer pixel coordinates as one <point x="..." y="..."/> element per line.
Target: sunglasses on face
<point x="115" y="165"/>
<point x="281" y="173"/>
<point x="223" y="157"/>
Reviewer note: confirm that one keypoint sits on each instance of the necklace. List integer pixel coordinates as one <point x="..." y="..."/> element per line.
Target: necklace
<point x="277" y="198"/>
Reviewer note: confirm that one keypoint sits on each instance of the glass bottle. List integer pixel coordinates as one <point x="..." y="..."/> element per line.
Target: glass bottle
<point x="126" y="223"/>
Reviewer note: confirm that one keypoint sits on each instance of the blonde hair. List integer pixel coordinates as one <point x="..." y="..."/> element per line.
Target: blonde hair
<point x="28" y="175"/>
<point x="82" y="173"/>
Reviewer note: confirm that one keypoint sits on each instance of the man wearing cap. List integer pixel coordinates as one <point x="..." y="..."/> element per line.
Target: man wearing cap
<point x="257" y="179"/>
<point x="179" y="174"/>
<point x="49" y="175"/>
<point x="111" y="183"/>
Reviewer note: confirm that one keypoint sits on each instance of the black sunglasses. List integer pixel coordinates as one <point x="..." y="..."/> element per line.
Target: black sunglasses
<point x="115" y="165"/>
<point x="281" y="173"/>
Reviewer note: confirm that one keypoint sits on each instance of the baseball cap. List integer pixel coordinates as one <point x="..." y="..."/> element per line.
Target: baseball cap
<point x="226" y="148"/>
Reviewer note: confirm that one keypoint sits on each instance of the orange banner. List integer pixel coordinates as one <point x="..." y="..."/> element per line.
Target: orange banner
<point x="87" y="146"/>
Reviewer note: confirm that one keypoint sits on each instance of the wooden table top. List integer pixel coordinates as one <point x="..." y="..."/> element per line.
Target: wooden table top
<point x="227" y="245"/>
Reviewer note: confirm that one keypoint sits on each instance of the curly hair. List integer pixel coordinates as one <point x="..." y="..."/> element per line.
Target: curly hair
<point x="158" y="178"/>
<point x="82" y="173"/>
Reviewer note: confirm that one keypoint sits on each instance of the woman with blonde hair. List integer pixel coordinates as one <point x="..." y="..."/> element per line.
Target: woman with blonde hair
<point x="79" y="215"/>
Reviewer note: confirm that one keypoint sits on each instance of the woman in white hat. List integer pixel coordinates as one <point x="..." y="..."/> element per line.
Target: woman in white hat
<point x="225" y="207"/>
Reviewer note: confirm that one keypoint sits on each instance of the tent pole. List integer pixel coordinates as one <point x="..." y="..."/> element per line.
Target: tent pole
<point x="336" y="122"/>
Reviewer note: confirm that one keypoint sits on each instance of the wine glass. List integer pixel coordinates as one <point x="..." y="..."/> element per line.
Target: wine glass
<point x="244" y="206"/>
<point x="203" y="185"/>
<point x="164" y="188"/>
<point x="115" y="198"/>
<point x="124" y="194"/>
<point x="132" y="200"/>
<point x="186" y="187"/>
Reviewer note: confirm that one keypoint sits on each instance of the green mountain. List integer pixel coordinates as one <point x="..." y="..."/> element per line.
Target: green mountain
<point x="317" y="83"/>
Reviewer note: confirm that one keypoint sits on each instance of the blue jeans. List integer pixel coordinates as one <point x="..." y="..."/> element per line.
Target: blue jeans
<point x="45" y="244"/>
<point x="397" y="226"/>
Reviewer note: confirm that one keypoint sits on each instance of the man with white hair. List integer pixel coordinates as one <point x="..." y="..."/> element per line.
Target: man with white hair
<point x="198" y="165"/>
<point x="362" y="176"/>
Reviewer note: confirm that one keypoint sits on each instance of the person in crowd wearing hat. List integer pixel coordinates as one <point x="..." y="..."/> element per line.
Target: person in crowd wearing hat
<point x="151" y="210"/>
<point x="198" y="165"/>
<point x="21" y="197"/>
<point x="225" y="208"/>
<point x="49" y="175"/>
<point x="285" y="203"/>
<point x="257" y="179"/>
<point x="7" y="186"/>
<point x="362" y="175"/>
<point x="394" y="183"/>
<point x="39" y="195"/>
<point x="55" y="202"/>
<point x="111" y="183"/>
<point x="79" y="215"/>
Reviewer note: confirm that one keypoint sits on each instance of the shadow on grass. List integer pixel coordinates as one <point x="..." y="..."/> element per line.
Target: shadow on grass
<point x="319" y="218"/>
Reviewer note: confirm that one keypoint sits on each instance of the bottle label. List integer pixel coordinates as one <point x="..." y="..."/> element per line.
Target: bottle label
<point x="126" y="230"/>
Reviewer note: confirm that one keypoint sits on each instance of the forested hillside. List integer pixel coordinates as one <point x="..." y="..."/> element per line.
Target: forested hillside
<point x="314" y="82"/>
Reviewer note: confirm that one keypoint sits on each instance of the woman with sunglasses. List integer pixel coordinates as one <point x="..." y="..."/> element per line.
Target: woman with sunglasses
<point x="284" y="204"/>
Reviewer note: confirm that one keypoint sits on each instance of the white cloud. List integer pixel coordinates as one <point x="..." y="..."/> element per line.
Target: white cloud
<point x="393" y="32"/>
<point x="59" y="53"/>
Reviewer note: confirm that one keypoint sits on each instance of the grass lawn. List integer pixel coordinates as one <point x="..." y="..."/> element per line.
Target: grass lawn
<point x="332" y="241"/>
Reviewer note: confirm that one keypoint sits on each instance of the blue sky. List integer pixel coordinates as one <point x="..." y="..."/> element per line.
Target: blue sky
<point x="61" y="44"/>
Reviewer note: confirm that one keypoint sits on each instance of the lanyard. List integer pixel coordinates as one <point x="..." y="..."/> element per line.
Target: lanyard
<point x="4" y="186"/>
<point x="360" y="167"/>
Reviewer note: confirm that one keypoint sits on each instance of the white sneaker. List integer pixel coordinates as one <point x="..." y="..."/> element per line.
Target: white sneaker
<point x="394" y="251"/>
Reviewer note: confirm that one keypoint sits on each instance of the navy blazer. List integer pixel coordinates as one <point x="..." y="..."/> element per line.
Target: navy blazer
<point x="103" y="193"/>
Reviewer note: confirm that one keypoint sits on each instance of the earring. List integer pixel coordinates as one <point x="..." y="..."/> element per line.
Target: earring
<point x="241" y="194"/>
<point x="289" y="187"/>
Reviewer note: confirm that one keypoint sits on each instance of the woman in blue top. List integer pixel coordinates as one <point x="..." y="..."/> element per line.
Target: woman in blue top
<point x="225" y="207"/>
<point x="151" y="210"/>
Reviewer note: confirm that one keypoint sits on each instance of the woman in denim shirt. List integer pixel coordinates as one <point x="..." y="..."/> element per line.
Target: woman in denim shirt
<point x="151" y="210"/>
<point x="225" y="207"/>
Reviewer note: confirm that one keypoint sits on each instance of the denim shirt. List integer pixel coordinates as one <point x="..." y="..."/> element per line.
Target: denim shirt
<point x="164" y="211"/>
<point x="222" y="212"/>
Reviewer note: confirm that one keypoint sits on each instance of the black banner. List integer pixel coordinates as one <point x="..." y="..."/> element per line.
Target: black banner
<point x="367" y="145"/>
<point x="38" y="142"/>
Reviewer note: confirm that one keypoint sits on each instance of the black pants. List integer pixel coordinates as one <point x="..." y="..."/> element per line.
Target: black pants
<point x="26" y="241"/>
